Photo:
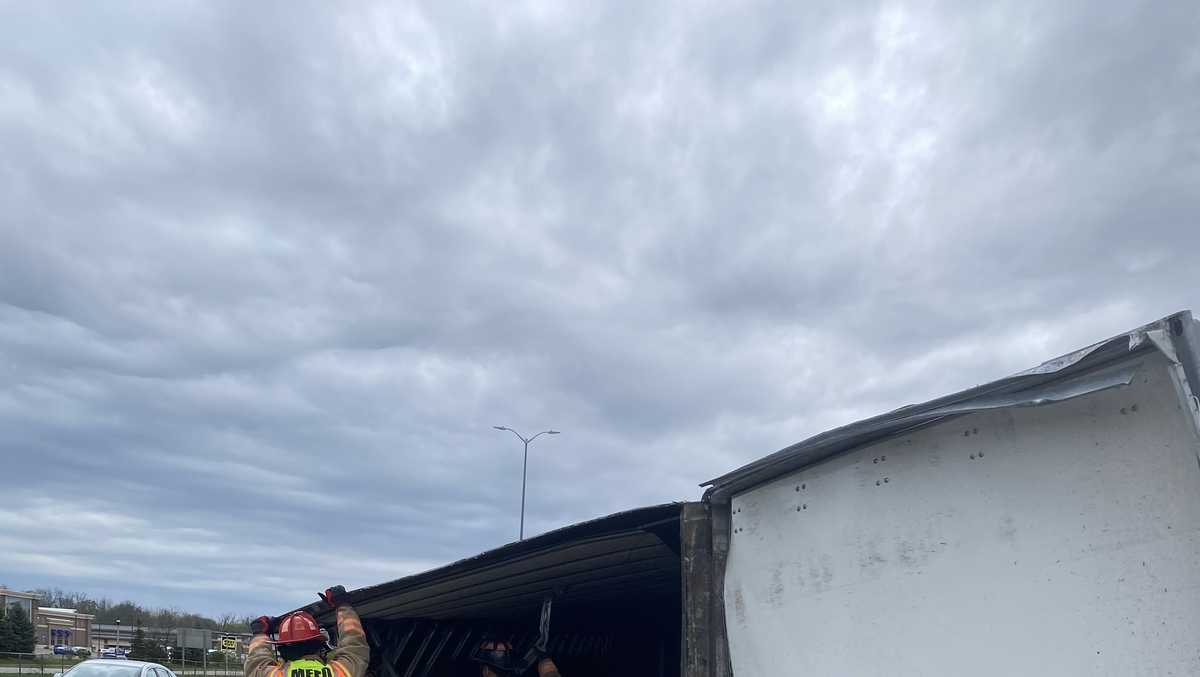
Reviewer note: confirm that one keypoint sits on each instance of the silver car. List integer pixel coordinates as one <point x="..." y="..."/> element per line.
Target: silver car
<point x="107" y="667"/>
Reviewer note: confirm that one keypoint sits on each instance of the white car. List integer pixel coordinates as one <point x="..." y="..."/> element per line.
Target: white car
<point x="116" y="668"/>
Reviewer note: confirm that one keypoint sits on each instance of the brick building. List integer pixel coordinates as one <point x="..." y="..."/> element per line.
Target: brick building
<point x="63" y="626"/>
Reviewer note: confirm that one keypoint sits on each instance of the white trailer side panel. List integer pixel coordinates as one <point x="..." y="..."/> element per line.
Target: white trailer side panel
<point x="1055" y="540"/>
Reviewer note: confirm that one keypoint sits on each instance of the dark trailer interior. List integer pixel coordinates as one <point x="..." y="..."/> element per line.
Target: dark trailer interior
<point x="616" y="611"/>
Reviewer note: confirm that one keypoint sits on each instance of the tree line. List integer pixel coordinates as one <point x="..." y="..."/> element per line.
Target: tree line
<point x="132" y="614"/>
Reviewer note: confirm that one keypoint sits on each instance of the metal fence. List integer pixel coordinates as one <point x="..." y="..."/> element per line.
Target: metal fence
<point x="35" y="664"/>
<point x="218" y="665"/>
<point x="48" y="665"/>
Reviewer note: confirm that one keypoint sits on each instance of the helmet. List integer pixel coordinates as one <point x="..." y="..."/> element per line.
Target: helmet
<point x="298" y="627"/>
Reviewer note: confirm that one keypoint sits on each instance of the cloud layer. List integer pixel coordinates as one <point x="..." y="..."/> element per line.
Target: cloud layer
<point x="268" y="275"/>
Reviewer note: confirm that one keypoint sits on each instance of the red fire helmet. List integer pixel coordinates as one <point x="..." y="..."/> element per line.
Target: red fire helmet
<point x="298" y="627"/>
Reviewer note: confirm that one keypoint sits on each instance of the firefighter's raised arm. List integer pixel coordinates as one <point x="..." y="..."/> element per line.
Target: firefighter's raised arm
<point x="353" y="654"/>
<point x="260" y="658"/>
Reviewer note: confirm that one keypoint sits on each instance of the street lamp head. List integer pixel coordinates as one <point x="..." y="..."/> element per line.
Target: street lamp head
<point x="499" y="427"/>
<point x="552" y="432"/>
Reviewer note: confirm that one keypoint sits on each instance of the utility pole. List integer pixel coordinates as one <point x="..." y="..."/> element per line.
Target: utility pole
<point x="524" y="468"/>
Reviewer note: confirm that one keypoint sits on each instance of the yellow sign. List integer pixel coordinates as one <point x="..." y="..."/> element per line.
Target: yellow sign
<point x="229" y="643"/>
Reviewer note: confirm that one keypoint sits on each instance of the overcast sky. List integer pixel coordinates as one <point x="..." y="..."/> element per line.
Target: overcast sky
<point x="269" y="276"/>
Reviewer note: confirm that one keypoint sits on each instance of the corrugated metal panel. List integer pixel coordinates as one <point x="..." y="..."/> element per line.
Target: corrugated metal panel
<point x="624" y="568"/>
<point x="418" y="648"/>
<point x="621" y="554"/>
<point x="632" y="555"/>
<point x="1028" y="388"/>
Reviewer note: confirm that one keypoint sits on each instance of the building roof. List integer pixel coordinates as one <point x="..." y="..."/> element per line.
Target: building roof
<point x="1071" y="375"/>
<point x="63" y="612"/>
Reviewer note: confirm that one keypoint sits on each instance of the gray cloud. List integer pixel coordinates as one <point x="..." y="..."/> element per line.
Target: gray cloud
<point x="269" y="275"/>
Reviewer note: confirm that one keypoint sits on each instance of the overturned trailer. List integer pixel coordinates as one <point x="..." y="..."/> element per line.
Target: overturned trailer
<point x="616" y="584"/>
<point x="1045" y="523"/>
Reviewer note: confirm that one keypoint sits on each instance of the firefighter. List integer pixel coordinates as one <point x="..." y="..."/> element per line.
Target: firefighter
<point x="545" y="667"/>
<point x="302" y="647"/>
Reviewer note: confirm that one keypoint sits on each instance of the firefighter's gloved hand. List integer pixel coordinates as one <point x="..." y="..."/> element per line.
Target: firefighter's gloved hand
<point x="260" y="625"/>
<point x="547" y="668"/>
<point x="335" y="596"/>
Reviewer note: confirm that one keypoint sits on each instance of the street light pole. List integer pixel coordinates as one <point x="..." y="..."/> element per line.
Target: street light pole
<point x="524" y="467"/>
<point x="118" y="647"/>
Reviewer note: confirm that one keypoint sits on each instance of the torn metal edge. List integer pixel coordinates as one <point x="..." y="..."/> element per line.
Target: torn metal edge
<point x="1170" y="331"/>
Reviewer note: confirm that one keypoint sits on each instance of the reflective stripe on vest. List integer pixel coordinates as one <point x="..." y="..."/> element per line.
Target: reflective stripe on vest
<point x="306" y="667"/>
<point x="339" y="669"/>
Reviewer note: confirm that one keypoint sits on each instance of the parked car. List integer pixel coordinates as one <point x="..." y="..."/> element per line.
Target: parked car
<point x="116" y="668"/>
<point x="62" y="650"/>
<point x="113" y="652"/>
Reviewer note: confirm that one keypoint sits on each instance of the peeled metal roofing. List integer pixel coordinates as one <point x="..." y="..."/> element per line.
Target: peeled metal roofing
<point x="1071" y="375"/>
<point x="628" y="553"/>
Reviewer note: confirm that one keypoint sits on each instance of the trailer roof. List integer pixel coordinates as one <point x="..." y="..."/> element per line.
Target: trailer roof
<point x="627" y="553"/>
<point x="1071" y="375"/>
